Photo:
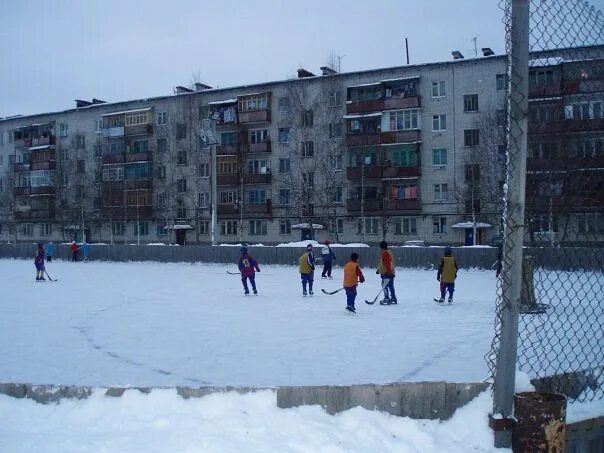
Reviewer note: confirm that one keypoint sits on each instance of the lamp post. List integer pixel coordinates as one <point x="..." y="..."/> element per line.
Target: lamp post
<point x="208" y="133"/>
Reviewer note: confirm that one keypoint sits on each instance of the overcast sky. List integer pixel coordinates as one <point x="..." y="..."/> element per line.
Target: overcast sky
<point x="56" y="51"/>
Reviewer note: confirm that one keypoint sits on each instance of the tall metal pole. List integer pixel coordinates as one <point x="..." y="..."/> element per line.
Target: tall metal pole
<point x="503" y="397"/>
<point x="214" y="201"/>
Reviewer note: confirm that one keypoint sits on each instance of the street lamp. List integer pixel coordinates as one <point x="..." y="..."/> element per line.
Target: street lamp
<point x="208" y="136"/>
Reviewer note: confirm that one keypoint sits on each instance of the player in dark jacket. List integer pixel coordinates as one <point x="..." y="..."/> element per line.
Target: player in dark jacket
<point x="39" y="262"/>
<point x="248" y="266"/>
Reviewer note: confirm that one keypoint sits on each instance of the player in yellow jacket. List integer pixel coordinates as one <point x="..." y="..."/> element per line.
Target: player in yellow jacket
<point x="446" y="275"/>
<point x="307" y="269"/>
<point x="352" y="275"/>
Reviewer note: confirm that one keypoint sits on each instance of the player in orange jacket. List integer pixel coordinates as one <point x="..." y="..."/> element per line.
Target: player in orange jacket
<point x="352" y="275"/>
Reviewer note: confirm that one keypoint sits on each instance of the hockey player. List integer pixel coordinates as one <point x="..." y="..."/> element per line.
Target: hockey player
<point x="352" y="275"/>
<point x="386" y="270"/>
<point x="50" y="250"/>
<point x="446" y="275"/>
<point x="74" y="251"/>
<point x="248" y="266"/>
<point x="328" y="256"/>
<point x="307" y="269"/>
<point x="39" y="262"/>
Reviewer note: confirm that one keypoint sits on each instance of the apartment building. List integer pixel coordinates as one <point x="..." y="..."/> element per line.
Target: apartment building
<point x="406" y="153"/>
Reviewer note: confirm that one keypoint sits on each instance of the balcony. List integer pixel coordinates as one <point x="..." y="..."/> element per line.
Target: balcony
<point x="256" y="116"/>
<point x="113" y="158"/>
<point x="258" y="208"/>
<point x="545" y="91"/>
<point x="35" y="214"/>
<point x="227" y="208"/>
<point x="401" y="172"/>
<point x="22" y="167"/>
<point x="138" y="129"/>
<point x="371" y="205"/>
<point x="257" y="178"/>
<point x="112" y="132"/>
<point x="366" y="172"/>
<point x="227" y="179"/>
<point x="44" y="165"/>
<point x="41" y="141"/>
<point x="564" y="126"/>
<point x="395" y="206"/>
<point x="45" y="190"/>
<point x="378" y="105"/>
<point x="138" y="184"/>
<point x="128" y="212"/>
<point x="227" y="150"/>
<point x="400" y="137"/>
<point x="138" y="157"/>
<point x="23" y="142"/>
<point x="22" y="191"/>
<point x="363" y="139"/>
<point x="264" y="147"/>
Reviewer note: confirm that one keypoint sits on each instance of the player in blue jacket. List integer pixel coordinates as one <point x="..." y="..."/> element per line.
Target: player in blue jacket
<point x="248" y="266"/>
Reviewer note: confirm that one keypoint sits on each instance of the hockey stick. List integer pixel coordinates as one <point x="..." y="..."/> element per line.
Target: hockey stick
<point x="331" y="293"/>
<point x="384" y="284"/>
<point x="49" y="278"/>
<point x="233" y="273"/>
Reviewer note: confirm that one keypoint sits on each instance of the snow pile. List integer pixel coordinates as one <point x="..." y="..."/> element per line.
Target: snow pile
<point x="229" y="422"/>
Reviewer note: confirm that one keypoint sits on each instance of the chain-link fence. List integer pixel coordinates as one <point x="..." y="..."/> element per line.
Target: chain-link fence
<point x="549" y="318"/>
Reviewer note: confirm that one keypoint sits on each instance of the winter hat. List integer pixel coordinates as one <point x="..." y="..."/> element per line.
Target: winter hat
<point x="39" y="245"/>
<point x="308" y="246"/>
<point x="383" y="245"/>
<point x="354" y="256"/>
<point x="447" y="251"/>
<point x="326" y="242"/>
<point x="243" y="249"/>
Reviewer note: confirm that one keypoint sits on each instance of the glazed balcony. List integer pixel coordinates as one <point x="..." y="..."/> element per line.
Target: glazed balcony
<point x="371" y="205"/>
<point x="257" y="178"/>
<point x="363" y="139"/>
<point x="378" y="105"/>
<point x="227" y="179"/>
<point x="255" y="116"/>
<point x="400" y="137"/>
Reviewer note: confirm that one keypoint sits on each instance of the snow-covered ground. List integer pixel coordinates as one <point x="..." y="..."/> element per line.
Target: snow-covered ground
<point x="152" y="324"/>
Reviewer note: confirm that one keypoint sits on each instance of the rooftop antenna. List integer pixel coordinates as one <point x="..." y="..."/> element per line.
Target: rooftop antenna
<point x="339" y="57"/>
<point x="475" y="38"/>
<point x="407" y="49"/>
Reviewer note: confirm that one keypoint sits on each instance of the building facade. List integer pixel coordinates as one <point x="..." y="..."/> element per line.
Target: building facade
<point x="413" y="153"/>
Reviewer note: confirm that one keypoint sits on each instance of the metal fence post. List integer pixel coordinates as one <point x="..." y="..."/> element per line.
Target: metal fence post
<point x="503" y="397"/>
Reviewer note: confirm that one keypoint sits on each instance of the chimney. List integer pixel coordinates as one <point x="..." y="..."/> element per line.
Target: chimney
<point x="457" y="55"/>
<point x="81" y="103"/>
<point x="487" y="52"/>
<point x="328" y="71"/>
<point x="202" y="86"/>
<point x="304" y="73"/>
<point x="181" y="90"/>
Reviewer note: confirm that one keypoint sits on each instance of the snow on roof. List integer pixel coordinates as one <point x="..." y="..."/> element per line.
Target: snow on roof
<point x="127" y="111"/>
<point x="471" y="225"/>
<point x="365" y="85"/>
<point x="412" y="142"/>
<point x="225" y="101"/>
<point x="178" y="227"/>
<point x="361" y="115"/>
<point x="554" y="98"/>
<point x="400" y="79"/>
<point x="548" y="61"/>
<point x="36" y="148"/>
<point x="315" y="226"/>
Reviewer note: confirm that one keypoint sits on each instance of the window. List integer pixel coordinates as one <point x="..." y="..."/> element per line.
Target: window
<point x="255" y="102"/>
<point x="307" y="149"/>
<point x="307" y="118"/>
<point x="592" y="222"/>
<point x="63" y="130"/>
<point x="258" y="136"/>
<point x="161" y="200"/>
<point x="228" y="196"/>
<point x="181" y="185"/>
<point x="284" y="165"/>
<point x="228" y="227"/>
<point x="98" y="126"/>
<point x="336" y="161"/>
<point x="204" y="227"/>
<point x="138" y="146"/>
<point x="28" y="229"/>
<point x="539" y="78"/>
<point x="258" y="167"/>
<point x="141" y="228"/>
<point x="407" y="225"/>
<point x="472" y="173"/>
<point x="439" y="89"/>
<point x="98" y="150"/>
<point x="136" y="118"/>
<point x="284" y="104"/>
<point x="470" y="137"/>
<point x="45" y="229"/>
<point x="439" y="225"/>
<point x="285" y="226"/>
<point x="113" y="172"/>
<point x="162" y="145"/>
<point x="162" y="229"/>
<point x="439" y="123"/>
<point x="308" y="180"/>
<point x="470" y="103"/>
<point x="441" y="192"/>
<point x="368" y="226"/>
<point x="335" y="195"/>
<point x="501" y="117"/>
<point x="439" y="157"/>
<point x="256" y="196"/>
<point x="502" y="82"/>
<point x="181" y="131"/>
<point x="405" y="157"/>
<point x="335" y="130"/>
<point x="226" y="167"/>
<point x="162" y="118"/>
<point x="203" y="170"/>
<point x="335" y="98"/>
<point x="203" y="199"/>
<point x="181" y="158"/>
<point x="160" y="172"/>
<point x="80" y="141"/>
<point x="402" y="120"/>
<point x="181" y="212"/>
<point x="283" y="134"/>
<point x="81" y="166"/>
<point x="336" y="226"/>
<point x="141" y="170"/>
<point x="543" y="224"/>
<point x="284" y="196"/>
<point x="118" y="228"/>
<point x="472" y="206"/>
<point x="257" y="227"/>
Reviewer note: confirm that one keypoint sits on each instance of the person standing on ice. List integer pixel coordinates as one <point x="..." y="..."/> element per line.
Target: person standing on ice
<point x="248" y="266"/>
<point x="307" y="269"/>
<point x="49" y="250"/>
<point x="328" y="256"/>
<point x="385" y="268"/>
<point x="446" y="275"/>
<point x="39" y="262"/>
<point x="85" y="250"/>
<point x="352" y="275"/>
<point x="74" y="251"/>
